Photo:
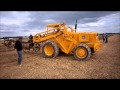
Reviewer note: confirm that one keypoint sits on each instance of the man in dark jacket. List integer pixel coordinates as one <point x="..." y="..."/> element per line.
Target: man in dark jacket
<point x="106" y="37"/>
<point x="18" y="47"/>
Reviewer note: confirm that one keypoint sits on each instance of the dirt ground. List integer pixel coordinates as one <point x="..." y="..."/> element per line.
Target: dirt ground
<point x="104" y="64"/>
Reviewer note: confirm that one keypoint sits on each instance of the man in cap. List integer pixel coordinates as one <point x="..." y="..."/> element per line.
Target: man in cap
<point x="18" y="47"/>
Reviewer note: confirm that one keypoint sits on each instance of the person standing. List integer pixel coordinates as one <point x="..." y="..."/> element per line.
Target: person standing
<point x="18" y="47"/>
<point x="106" y="37"/>
<point x="30" y="41"/>
<point x="103" y="37"/>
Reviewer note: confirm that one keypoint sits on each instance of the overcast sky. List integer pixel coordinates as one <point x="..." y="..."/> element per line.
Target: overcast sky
<point x="24" y="23"/>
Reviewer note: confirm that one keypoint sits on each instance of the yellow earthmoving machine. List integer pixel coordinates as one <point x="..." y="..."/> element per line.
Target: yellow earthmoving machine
<point x="60" y="38"/>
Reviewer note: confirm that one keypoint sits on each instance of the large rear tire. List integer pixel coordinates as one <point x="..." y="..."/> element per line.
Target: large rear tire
<point x="50" y="49"/>
<point x="82" y="52"/>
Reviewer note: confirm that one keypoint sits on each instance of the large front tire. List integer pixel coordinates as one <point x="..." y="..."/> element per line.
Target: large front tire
<point x="50" y="49"/>
<point x="82" y="52"/>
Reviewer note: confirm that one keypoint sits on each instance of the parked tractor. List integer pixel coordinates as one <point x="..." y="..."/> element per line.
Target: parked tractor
<point x="60" y="38"/>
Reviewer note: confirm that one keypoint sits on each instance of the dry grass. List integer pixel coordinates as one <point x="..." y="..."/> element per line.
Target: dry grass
<point x="103" y="64"/>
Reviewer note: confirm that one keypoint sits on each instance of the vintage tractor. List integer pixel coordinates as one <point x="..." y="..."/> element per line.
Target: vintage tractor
<point x="60" y="38"/>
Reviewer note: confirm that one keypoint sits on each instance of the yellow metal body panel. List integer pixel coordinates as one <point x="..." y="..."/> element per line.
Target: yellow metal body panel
<point x="83" y="37"/>
<point x="67" y="40"/>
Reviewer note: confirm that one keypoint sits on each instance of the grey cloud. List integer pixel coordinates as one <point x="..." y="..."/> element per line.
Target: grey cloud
<point x="8" y="33"/>
<point x="69" y="17"/>
<point x="9" y="27"/>
<point x="38" y="18"/>
<point x="7" y="14"/>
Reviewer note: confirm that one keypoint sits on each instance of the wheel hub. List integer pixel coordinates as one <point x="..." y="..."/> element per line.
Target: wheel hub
<point x="81" y="53"/>
<point x="48" y="49"/>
